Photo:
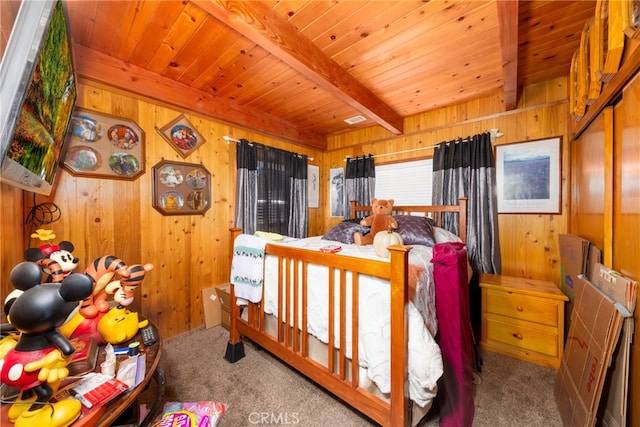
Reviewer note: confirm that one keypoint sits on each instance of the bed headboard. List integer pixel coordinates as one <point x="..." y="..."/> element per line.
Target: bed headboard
<point x="433" y="212"/>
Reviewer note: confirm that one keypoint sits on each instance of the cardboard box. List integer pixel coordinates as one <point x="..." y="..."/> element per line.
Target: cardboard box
<point x="573" y="256"/>
<point x="593" y="335"/>
<point x="600" y="333"/>
<point x="211" y="307"/>
<point x="224" y="296"/>
<point x="224" y="293"/>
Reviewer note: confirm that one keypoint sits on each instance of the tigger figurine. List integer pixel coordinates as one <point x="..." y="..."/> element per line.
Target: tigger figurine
<point x="55" y="260"/>
<point x="123" y="289"/>
<point x="102" y="270"/>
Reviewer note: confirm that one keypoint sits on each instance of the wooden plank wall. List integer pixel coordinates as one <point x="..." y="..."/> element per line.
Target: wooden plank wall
<point x="529" y="243"/>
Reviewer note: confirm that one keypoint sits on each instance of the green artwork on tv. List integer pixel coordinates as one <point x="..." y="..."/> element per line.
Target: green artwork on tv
<point x="42" y="124"/>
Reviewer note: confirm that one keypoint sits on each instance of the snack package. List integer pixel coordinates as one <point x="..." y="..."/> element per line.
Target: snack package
<point x="190" y="414"/>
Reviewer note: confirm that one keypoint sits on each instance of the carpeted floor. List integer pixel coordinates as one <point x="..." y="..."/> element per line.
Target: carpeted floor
<point x="511" y="393"/>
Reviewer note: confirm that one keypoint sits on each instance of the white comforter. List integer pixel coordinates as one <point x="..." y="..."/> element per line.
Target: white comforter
<point x="425" y="361"/>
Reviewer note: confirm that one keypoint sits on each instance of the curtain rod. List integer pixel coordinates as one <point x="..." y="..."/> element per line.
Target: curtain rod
<point x="229" y="139"/>
<point x="495" y="133"/>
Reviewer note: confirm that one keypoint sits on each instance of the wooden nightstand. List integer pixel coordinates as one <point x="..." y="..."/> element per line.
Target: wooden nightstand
<point x="523" y="318"/>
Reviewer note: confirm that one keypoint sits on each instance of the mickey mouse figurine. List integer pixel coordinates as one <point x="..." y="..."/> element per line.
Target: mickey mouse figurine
<point x="37" y="363"/>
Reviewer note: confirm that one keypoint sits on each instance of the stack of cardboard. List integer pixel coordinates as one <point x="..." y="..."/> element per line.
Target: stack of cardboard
<point x="603" y="302"/>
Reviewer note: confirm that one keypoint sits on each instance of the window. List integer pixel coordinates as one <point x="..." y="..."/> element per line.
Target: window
<point x="273" y="196"/>
<point x="407" y="183"/>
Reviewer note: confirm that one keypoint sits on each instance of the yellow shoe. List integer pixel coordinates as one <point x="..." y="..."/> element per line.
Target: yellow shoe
<point x="59" y="414"/>
<point x="19" y="407"/>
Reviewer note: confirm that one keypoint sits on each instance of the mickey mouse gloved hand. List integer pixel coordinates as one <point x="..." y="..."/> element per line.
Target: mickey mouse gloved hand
<point x="53" y="367"/>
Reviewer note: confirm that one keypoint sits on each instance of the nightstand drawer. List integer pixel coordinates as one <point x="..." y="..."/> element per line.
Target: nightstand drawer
<point x="524" y="307"/>
<point x="520" y="335"/>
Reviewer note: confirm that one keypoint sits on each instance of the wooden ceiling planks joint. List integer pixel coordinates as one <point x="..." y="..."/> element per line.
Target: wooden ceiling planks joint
<point x="264" y="26"/>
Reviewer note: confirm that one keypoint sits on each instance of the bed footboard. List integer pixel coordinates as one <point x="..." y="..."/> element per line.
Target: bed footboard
<point x="291" y="341"/>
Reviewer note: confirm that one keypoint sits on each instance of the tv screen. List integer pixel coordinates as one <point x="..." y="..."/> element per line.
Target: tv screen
<point x="38" y="83"/>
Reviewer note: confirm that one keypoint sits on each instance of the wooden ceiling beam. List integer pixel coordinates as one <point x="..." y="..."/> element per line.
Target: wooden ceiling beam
<point x="508" y="26"/>
<point x="101" y="68"/>
<point x="262" y="24"/>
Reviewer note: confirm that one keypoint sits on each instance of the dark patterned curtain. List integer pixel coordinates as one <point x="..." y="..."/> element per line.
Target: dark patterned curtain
<point x="360" y="182"/>
<point x="271" y="190"/>
<point x="467" y="168"/>
<point x="246" y="187"/>
<point x="299" y="200"/>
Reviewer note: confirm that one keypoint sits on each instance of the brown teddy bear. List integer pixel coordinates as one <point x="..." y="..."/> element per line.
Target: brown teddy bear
<point x="381" y="220"/>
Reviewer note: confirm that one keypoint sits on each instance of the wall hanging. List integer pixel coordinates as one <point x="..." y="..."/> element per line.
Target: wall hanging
<point x="181" y="188"/>
<point x="182" y="136"/>
<point x="101" y="145"/>
<point x="313" y="184"/>
<point x="528" y="177"/>
<point x="336" y="184"/>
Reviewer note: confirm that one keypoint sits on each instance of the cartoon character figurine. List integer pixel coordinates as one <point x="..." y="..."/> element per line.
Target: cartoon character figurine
<point x="88" y="321"/>
<point x="37" y="363"/>
<point x="55" y="260"/>
<point x="101" y="270"/>
<point x="120" y="325"/>
<point x="123" y="289"/>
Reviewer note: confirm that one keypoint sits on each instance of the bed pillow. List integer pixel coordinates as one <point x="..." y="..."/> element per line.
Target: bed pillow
<point x="441" y="235"/>
<point x="343" y="231"/>
<point x="415" y="230"/>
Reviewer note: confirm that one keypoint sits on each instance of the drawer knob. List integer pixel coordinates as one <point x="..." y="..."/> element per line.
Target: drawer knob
<point x="519" y="308"/>
<point x="517" y="336"/>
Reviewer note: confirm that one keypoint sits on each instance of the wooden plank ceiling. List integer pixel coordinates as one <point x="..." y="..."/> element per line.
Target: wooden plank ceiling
<point x="298" y="69"/>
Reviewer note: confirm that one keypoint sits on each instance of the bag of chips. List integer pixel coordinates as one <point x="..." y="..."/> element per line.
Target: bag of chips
<point x="190" y="414"/>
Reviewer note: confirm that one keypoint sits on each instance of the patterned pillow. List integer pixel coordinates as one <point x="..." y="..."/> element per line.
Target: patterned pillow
<point x="415" y="230"/>
<point x="343" y="231"/>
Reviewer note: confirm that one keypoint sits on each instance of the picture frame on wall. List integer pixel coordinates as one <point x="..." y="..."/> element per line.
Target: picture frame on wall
<point x="182" y="136"/>
<point x="336" y="192"/>
<point x="180" y="188"/>
<point x="313" y="185"/>
<point x="101" y="145"/>
<point x="529" y="177"/>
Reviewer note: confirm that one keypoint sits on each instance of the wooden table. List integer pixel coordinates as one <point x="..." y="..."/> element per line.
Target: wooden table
<point x="105" y="415"/>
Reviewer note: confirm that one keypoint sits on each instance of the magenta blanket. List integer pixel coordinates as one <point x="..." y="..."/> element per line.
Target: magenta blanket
<point x="455" y="388"/>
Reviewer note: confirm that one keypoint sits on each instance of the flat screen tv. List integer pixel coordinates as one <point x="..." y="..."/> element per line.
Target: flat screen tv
<point x="38" y="93"/>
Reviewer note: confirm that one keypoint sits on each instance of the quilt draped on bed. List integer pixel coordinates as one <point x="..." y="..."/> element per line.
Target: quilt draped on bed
<point x="247" y="267"/>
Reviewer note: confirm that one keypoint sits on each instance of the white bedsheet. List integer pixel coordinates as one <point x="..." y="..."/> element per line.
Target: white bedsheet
<point x="425" y="360"/>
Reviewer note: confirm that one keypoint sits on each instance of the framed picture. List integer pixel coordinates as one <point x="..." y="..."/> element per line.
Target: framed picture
<point x="528" y="176"/>
<point x="336" y="185"/>
<point x="182" y="136"/>
<point x="313" y="185"/>
<point x="105" y="146"/>
<point x="181" y="188"/>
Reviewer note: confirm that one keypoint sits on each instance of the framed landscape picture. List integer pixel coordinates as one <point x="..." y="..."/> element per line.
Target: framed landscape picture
<point x="182" y="136"/>
<point x="528" y="176"/>
<point x="105" y="146"/>
<point x="181" y="188"/>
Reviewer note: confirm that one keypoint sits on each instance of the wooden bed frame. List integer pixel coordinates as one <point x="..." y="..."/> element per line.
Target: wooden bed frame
<point x="339" y="377"/>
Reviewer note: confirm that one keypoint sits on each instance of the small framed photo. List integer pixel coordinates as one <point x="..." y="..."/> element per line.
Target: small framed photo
<point x="181" y="188"/>
<point x="182" y="136"/>
<point x="528" y="177"/>
<point x="105" y="146"/>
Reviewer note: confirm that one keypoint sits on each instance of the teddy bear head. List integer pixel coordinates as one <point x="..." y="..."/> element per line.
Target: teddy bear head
<point x="381" y="206"/>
